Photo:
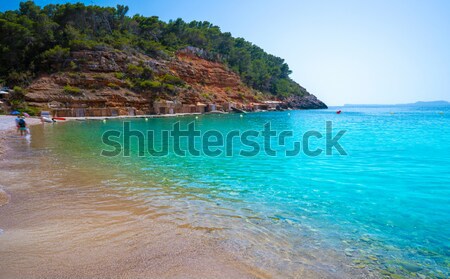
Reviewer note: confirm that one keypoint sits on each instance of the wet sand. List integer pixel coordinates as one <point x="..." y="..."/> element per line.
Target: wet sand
<point x="64" y="239"/>
<point x="63" y="224"/>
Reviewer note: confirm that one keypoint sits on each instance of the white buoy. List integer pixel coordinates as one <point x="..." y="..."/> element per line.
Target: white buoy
<point x="104" y="120"/>
<point x="196" y="117"/>
<point x="241" y="115"/>
<point x="146" y="119"/>
<point x="289" y="114"/>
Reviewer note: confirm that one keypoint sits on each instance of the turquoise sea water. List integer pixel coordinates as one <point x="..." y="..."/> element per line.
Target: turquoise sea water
<point x="384" y="207"/>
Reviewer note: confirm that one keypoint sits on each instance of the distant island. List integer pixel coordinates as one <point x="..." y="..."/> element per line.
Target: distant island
<point x="418" y="104"/>
<point x="79" y="60"/>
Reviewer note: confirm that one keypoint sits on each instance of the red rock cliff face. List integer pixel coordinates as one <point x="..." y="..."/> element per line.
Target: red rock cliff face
<point x="195" y="70"/>
<point x="95" y="91"/>
<point x="212" y="80"/>
<point x="95" y="73"/>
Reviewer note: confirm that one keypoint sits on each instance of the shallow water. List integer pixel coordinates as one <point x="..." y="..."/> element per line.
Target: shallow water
<point x="382" y="208"/>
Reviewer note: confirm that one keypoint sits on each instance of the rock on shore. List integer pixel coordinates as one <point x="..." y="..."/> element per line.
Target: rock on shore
<point x="305" y="102"/>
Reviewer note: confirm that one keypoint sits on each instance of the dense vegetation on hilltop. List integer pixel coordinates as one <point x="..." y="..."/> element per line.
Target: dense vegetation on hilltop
<point x="32" y="38"/>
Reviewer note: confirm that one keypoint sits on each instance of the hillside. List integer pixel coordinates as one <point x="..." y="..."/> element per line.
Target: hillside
<point x="74" y="55"/>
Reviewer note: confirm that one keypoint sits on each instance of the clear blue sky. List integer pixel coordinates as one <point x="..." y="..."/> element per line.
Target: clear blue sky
<point x="342" y="51"/>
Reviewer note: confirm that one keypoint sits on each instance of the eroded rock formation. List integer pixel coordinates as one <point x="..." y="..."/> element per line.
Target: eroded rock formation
<point x="93" y="79"/>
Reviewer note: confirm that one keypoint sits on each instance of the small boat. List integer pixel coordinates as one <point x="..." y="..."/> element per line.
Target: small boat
<point x="215" y="112"/>
<point x="238" y="110"/>
<point x="59" y="118"/>
<point x="338" y="112"/>
<point x="47" y="119"/>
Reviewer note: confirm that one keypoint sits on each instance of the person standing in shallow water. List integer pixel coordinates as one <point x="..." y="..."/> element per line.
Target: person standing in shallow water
<point x="17" y="123"/>
<point x="22" y="125"/>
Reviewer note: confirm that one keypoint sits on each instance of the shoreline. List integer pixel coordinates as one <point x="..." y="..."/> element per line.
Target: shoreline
<point x="131" y="116"/>
<point x="7" y="127"/>
<point x="46" y="233"/>
<point x="7" y="124"/>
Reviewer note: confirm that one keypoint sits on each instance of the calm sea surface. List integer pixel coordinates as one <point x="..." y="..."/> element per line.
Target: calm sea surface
<point x="384" y="207"/>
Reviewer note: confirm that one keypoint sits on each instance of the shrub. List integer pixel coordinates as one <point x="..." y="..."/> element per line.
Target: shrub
<point x="169" y="87"/>
<point x="56" y="54"/>
<point x="135" y="70"/>
<point x="22" y="78"/>
<point x="119" y="75"/>
<point x="150" y="84"/>
<point x="129" y="83"/>
<point x="74" y="75"/>
<point x="22" y="107"/>
<point x="73" y="66"/>
<point x="206" y="95"/>
<point x="173" y="80"/>
<point x="72" y="90"/>
<point x="98" y="76"/>
<point x="113" y="85"/>
<point x="52" y="59"/>
<point x="147" y="73"/>
<point x="82" y="44"/>
<point x="32" y="111"/>
<point x="19" y="90"/>
<point x="18" y="94"/>
<point x="17" y="104"/>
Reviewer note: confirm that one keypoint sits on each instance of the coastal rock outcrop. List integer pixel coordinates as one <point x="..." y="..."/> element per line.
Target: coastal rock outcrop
<point x="305" y="102"/>
<point x="213" y="81"/>
<point x="195" y="70"/>
<point x="97" y="79"/>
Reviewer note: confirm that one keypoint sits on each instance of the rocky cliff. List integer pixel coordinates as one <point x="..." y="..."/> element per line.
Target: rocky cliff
<point x="305" y="102"/>
<point x="115" y="79"/>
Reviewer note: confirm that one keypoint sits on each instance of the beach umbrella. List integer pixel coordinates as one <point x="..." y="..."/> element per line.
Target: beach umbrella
<point x="15" y="112"/>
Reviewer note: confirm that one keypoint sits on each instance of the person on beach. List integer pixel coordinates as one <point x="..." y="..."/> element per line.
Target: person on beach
<point x="22" y="126"/>
<point x="17" y="122"/>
